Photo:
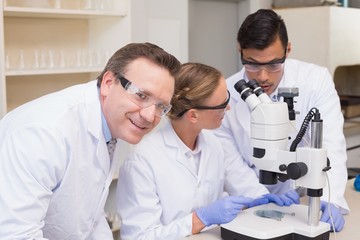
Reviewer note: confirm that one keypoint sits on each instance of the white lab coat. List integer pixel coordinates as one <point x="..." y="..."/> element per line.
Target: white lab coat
<point x="316" y="89"/>
<point x="54" y="168"/>
<point x="158" y="187"/>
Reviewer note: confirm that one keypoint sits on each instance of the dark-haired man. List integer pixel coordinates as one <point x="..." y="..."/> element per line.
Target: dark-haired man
<point x="264" y="49"/>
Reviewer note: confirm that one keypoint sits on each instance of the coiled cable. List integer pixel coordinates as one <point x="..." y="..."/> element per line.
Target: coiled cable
<point x="303" y="129"/>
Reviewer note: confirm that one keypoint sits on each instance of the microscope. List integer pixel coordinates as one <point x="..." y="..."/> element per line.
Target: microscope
<point x="271" y="123"/>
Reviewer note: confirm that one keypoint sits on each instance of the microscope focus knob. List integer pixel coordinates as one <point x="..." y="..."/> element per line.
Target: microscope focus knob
<point x="296" y="170"/>
<point x="283" y="167"/>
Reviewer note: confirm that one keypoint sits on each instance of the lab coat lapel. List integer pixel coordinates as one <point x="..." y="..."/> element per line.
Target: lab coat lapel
<point x="171" y="140"/>
<point x="204" y="155"/>
<point x="288" y="79"/>
<point x="93" y="113"/>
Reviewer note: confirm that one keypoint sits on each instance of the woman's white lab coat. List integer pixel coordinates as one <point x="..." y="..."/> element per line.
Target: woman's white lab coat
<point x="316" y="89"/>
<point x="55" y="168"/>
<point x="158" y="187"/>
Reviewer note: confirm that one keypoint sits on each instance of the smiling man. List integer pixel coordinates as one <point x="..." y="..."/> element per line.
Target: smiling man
<point x="264" y="49"/>
<point x="55" y="167"/>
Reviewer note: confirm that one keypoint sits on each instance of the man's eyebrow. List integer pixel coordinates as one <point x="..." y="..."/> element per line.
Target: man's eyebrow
<point x="142" y="90"/>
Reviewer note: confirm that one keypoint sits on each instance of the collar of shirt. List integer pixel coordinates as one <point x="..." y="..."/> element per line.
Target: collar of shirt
<point x="185" y="149"/>
<point x="194" y="152"/>
<point x="274" y="96"/>
<point x="105" y="127"/>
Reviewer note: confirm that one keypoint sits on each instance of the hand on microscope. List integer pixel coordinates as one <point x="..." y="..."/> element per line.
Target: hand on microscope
<point x="337" y="217"/>
<point x="224" y="210"/>
<point x="286" y="199"/>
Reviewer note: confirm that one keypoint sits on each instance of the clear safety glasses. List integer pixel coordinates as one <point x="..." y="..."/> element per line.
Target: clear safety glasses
<point x="143" y="99"/>
<point x="272" y="66"/>
<point x="221" y="106"/>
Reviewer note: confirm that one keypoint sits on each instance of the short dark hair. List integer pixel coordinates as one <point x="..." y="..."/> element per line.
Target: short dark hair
<point x="260" y="29"/>
<point x="119" y="61"/>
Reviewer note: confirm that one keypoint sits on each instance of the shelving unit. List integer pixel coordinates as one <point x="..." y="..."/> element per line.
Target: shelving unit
<point x="47" y="45"/>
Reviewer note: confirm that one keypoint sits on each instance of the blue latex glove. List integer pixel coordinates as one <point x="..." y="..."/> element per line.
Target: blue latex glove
<point x="285" y="199"/>
<point x="338" y="218"/>
<point x="258" y="201"/>
<point x="223" y="210"/>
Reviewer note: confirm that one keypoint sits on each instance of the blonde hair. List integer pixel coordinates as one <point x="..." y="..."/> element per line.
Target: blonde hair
<point x="194" y="84"/>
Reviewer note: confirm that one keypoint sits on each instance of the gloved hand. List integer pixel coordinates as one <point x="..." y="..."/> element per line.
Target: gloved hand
<point x="338" y="218"/>
<point x="286" y="199"/>
<point x="223" y="210"/>
<point x="258" y="201"/>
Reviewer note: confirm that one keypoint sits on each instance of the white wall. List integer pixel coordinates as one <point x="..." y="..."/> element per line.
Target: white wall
<point x="194" y="30"/>
<point x="326" y="36"/>
<point x="213" y="27"/>
<point x="212" y="34"/>
<point x="163" y="22"/>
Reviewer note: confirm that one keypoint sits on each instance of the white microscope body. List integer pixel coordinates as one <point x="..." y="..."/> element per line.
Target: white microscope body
<point x="270" y="128"/>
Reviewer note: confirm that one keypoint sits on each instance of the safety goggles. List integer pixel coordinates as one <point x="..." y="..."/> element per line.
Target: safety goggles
<point x="143" y="99"/>
<point x="272" y="66"/>
<point x="221" y="106"/>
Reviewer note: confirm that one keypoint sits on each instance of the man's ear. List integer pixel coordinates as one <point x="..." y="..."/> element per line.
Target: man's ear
<point x="107" y="80"/>
<point x="238" y="48"/>
<point x="288" y="50"/>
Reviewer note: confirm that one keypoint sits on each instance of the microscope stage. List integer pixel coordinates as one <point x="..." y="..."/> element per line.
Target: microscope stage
<point x="293" y="226"/>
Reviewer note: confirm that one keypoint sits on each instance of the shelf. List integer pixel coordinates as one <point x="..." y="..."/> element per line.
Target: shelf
<point x="45" y="48"/>
<point x="52" y="71"/>
<point x="58" y="13"/>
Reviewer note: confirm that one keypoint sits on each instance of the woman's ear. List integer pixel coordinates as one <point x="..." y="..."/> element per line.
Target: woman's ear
<point x="192" y="115"/>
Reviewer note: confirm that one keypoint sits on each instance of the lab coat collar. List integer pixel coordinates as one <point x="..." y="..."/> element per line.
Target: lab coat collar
<point x="105" y="126"/>
<point x="93" y="115"/>
<point x="171" y="139"/>
<point x="288" y="78"/>
<point x="93" y="110"/>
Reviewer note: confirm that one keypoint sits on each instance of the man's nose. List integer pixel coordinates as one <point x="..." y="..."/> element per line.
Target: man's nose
<point x="148" y="113"/>
<point x="262" y="75"/>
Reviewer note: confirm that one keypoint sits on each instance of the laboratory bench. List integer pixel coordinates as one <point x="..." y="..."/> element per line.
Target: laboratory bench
<point x="349" y="231"/>
<point x="352" y="136"/>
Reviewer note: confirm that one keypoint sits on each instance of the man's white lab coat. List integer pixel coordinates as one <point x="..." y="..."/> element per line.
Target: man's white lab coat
<point x="53" y="150"/>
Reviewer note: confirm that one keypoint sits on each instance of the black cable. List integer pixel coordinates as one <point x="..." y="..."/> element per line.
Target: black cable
<point x="303" y="129"/>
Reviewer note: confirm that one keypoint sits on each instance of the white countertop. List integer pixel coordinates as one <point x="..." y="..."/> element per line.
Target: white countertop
<point x="349" y="231"/>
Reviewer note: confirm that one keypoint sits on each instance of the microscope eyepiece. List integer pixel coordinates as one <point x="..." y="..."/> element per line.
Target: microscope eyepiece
<point x="241" y="85"/>
<point x="254" y="85"/>
<point x="243" y="89"/>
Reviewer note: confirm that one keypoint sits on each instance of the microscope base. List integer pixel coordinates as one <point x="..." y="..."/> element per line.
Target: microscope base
<point x="248" y="226"/>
